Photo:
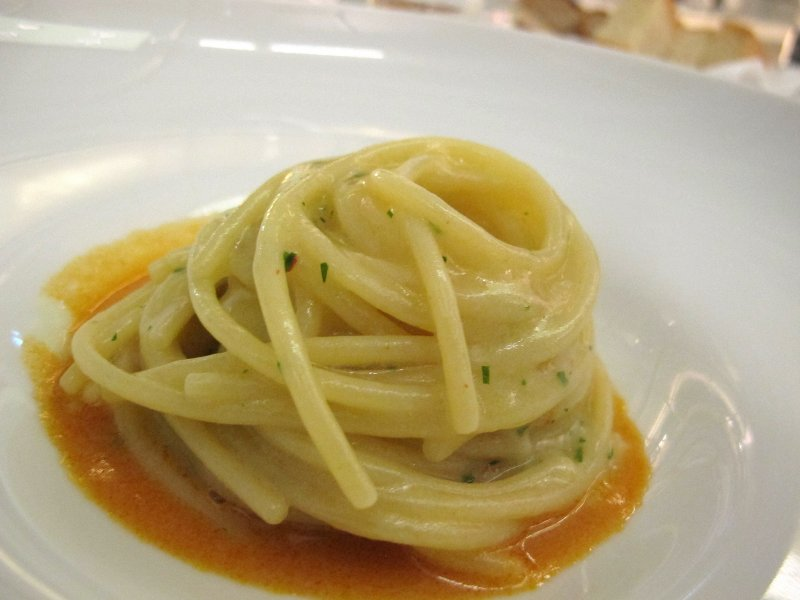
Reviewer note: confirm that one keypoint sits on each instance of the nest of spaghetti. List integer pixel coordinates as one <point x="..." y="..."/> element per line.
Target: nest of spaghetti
<point x="396" y="343"/>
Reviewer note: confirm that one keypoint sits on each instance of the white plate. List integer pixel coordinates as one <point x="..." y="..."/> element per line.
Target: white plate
<point x="117" y="117"/>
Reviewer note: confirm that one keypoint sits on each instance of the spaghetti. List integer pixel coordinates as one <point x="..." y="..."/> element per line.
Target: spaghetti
<point x="397" y="343"/>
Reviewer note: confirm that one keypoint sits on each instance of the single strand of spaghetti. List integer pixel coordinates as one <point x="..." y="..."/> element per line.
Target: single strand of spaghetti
<point x="374" y="287"/>
<point x="462" y="398"/>
<point x="464" y="235"/>
<point x="166" y="313"/>
<point x="72" y="380"/>
<point x="309" y="398"/>
<point x="355" y="391"/>
<point x="222" y="389"/>
<point x="241" y="303"/>
<point x="172" y="262"/>
<point x="439" y="448"/>
<point x="309" y="311"/>
<point x="353" y="310"/>
<point x="229" y="388"/>
<point x="360" y="351"/>
<point x="256" y="491"/>
<point x="338" y="386"/>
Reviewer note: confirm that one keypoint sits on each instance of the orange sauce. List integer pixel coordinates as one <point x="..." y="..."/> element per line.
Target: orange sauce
<point x="285" y="558"/>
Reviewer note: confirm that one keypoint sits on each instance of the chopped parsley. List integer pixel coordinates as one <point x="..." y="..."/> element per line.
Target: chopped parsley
<point x="562" y="377"/>
<point x="390" y="213"/>
<point x="579" y="449"/>
<point x="323" y="270"/>
<point x="485" y="374"/>
<point x="114" y="337"/>
<point x="358" y="175"/>
<point x="289" y="260"/>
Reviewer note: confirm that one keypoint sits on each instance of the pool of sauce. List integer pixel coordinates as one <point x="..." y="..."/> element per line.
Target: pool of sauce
<point x="288" y="558"/>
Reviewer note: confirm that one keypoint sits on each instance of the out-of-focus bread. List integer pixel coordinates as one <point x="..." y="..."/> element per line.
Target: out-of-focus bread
<point x="556" y="16"/>
<point x="651" y="27"/>
<point x="642" y="26"/>
<point x="592" y="20"/>
<point x="705" y="47"/>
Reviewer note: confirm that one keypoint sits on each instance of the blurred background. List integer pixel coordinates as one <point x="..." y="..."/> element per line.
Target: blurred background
<point x="693" y="32"/>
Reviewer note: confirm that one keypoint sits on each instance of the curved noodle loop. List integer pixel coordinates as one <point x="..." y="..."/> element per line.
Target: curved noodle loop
<point x="397" y="343"/>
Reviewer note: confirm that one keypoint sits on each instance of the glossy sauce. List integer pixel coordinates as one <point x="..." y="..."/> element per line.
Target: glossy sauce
<point x="287" y="558"/>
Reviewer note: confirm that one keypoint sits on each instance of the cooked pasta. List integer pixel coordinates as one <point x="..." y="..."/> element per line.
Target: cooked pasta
<point x="397" y="343"/>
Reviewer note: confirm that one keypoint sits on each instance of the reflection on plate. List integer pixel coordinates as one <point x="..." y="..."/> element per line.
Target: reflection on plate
<point x="687" y="186"/>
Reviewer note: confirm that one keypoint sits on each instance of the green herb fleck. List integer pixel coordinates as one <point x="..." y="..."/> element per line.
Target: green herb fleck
<point x="358" y="175"/>
<point x="610" y="454"/>
<point x="279" y="367"/>
<point x="114" y="337"/>
<point x="562" y="377"/>
<point x="579" y="450"/>
<point x="524" y="382"/>
<point x="289" y="260"/>
<point x="485" y="374"/>
<point x="468" y="478"/>
<point x="390" y="213"/>
<point x="436" y="229"/>
<point x="323" y="270"/>
<point x="444" y="258"/>
<point x="179" y="269"/>
<point x="521" y="430"/>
